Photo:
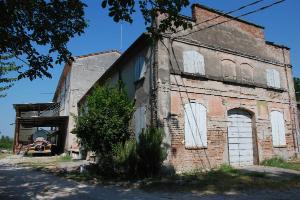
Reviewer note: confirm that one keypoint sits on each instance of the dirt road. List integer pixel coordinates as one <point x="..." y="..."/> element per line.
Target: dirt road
<point x="24" y="183"/>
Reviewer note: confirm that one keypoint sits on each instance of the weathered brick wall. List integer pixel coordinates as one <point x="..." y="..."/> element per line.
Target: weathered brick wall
<point x="241" y="43"/>
<point x="259" y="104"/>
<point x="202" y="14"/>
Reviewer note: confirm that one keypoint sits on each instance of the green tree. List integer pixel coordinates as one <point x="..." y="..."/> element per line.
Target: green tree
<point x="28" y="25"/>
<point x="297" y="87"/>
<point x="123" y="11"/>
<point x="6" y="142"/>
<point x="104" y="122"/>
<point x="6" y="68"/>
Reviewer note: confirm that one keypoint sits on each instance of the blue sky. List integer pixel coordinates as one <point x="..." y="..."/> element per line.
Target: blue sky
<point x="281" y="24"/>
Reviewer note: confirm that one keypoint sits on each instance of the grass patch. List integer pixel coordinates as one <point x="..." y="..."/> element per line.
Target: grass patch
<point x="3" y="155"/>
<point x="279" y="162"/>
<point x="220" y="180"/>
<point x="65" y="158"/>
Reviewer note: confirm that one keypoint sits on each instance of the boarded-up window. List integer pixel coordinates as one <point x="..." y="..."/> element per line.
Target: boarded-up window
<point x="195" y="125"/>
<point x="139" y="118"/>
<point x="193" y="62"/>
<point x="273" y="78"/>
<point x="278" y="128"/>
<point x="139" y="68"/>
<point x="246" y="73"/>
<point x="229" y="69"/>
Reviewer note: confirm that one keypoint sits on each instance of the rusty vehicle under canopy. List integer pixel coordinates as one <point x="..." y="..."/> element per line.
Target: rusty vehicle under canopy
<point x="39" y="129"/>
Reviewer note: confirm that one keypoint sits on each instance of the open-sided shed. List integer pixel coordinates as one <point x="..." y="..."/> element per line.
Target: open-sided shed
<point x="34" y="116"/>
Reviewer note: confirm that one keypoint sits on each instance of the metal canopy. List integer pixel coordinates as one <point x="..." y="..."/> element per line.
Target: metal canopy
<point x="34" y="106"/>
<point x="55" y="121"/>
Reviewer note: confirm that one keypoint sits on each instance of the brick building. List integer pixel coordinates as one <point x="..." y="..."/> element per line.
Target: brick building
<point x="223" y="94"/>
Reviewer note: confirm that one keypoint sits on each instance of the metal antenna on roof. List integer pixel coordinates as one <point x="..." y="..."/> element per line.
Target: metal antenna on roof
<point x="121" y="35"/>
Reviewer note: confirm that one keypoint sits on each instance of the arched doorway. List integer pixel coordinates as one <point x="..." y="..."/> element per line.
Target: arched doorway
<point x="240" y="138"/>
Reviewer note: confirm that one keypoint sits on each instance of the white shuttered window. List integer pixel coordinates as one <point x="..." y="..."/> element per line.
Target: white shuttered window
<point x="139" y="68"/>
<point x="273" y="78"/>
<point x="195" y="132"/>
<point x="278" y="128"/>
<point x="139" y="121"/>
<point x="193" y="62"/>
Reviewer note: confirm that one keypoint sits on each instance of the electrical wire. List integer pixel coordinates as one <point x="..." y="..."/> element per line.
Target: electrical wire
<point x="227" y="13"/>
<point x="233" y="18"/>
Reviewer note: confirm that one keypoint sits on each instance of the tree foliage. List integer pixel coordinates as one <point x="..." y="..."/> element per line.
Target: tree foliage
<point x="123" y="11"/>
<point x="36" y="32"/>
<point x="25" y="26"/>
<point x="6" y="142"/>
<point x="297" y="87"/>
<point x="105" y="121"/>
<point x="6" y="69"/>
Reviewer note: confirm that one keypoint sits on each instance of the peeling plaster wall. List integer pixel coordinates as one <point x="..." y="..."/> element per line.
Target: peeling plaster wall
<point x="138" y="91"/>
<point x="84" y="72"/>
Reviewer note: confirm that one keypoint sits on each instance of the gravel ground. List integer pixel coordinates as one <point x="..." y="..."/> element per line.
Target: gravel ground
<point x="25" y="183"/>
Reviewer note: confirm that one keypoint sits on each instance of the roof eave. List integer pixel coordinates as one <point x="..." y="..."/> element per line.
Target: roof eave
<point x="142" y="38"/>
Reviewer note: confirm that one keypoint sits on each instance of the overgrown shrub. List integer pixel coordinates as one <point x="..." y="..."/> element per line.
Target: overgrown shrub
<point x="143" y="158"/>
<point x="281" y="163"/>
<point x="65" y="158"/>
<point x="126" y="158"/>
<point x="274" y="162"/>
<point x="151" y="152"/>
<point x="104" y="122"/>
<point x="103" y="126"/>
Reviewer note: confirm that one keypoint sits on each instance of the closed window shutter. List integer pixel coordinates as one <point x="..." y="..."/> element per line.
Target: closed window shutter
<point x="136" y="70"/>
<point x="276" y="78"/>
<point x="139" y="68"/>
<point x="188" y="125"/>
<point x="193" y="62"/>
<point x="281" y="129"/>
<point x="278" y="128"/>
<point x="273" y="78"/>
<point x="187" y="61"/>
<point x="195" y="125"/>
<point x="270" y="78"/>
<point x="142" y="67"/>
<point x="275" y="131"/>
<point x="202" y="124"/>
<point x="139" y="121"/>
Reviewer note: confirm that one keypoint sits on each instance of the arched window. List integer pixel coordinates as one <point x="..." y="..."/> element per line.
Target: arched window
<point x="195" y="132"/>
<point x="229" y="69"/>
<point x="278" y="128"/>
<point x="273" y="78"/>
<point x="193" y="62"/>
<point x="246" y="73"/>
